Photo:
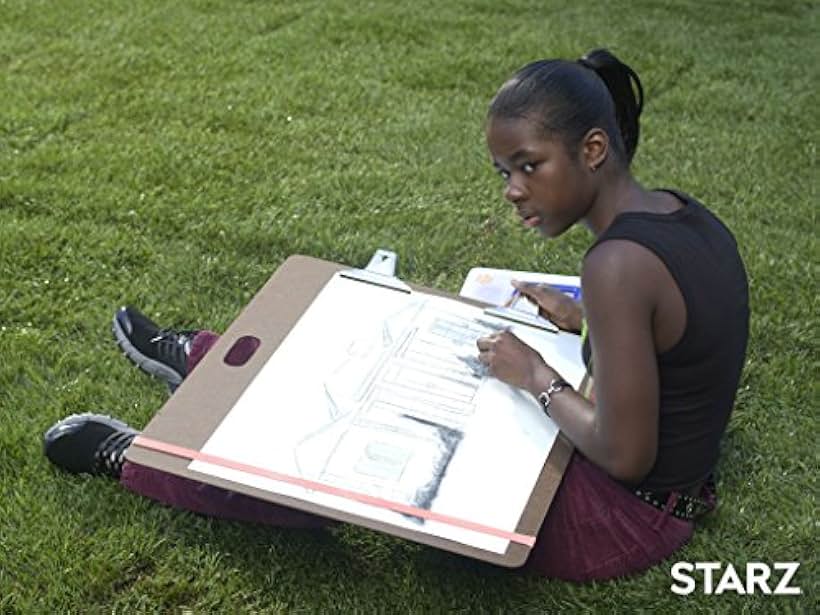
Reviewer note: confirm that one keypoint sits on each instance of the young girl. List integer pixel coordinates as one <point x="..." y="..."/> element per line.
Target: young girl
<point x="665" y="318"/>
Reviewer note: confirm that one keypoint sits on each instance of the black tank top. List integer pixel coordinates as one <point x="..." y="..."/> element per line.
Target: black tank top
<point x="700" y="374"/>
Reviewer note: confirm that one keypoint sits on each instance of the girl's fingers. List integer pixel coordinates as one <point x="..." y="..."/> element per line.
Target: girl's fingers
<point x="534" y="289"/>
<point x="525" y="288"/>
<point x="485" y="343"/>
<point x="528" y="290"/>
<point x="541" y="296"/>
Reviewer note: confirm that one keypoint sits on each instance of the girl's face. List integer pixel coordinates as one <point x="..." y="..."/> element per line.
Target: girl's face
<point x="548" y="186"/>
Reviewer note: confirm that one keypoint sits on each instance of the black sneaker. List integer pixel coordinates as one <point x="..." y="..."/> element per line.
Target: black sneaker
<point x="160" y="352"/>
<point x="88" y="444"/>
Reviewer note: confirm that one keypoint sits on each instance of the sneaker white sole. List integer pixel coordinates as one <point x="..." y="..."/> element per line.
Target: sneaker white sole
<point x="146" y="364"/>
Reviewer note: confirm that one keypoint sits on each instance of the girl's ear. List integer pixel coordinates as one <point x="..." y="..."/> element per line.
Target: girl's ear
<point x="595" y="148"/>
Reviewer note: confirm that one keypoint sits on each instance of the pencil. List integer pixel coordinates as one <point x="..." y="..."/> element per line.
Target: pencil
<point x="515" y="295"/>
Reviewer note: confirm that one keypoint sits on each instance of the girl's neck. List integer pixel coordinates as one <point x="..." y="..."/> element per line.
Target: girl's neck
<point x="617" y="193"/>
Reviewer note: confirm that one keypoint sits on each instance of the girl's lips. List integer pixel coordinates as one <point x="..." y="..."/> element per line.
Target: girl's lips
<point x="532" y="221"/>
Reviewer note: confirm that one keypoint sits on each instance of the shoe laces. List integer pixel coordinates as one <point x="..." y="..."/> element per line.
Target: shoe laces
<point x="172" y="336"/>
<point x="110" y="455"/>
<point x="177" y="344"/>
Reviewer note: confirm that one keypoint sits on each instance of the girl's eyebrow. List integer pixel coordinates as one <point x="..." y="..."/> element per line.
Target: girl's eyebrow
<point x="521" y="153"/>
<point x="518" y="155"/>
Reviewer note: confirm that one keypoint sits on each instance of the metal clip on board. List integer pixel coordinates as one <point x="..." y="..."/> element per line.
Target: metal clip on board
<point x="380" y="271"/>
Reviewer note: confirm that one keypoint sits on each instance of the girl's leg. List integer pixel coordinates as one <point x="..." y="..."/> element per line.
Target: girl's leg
<point x="597" y="529"/>
<point x="192" y="495"/>
<point x="202" y="342"/>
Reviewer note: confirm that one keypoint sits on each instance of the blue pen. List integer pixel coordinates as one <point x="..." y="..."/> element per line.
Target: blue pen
<point x="571" y="291"/>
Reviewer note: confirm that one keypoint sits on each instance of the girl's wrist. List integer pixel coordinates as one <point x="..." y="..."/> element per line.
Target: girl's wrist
<point x="540" y="379"/>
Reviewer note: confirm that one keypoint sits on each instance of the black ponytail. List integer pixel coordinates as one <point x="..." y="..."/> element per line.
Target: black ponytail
<point x="568" y="99"/>
<point x="619" y="79"/>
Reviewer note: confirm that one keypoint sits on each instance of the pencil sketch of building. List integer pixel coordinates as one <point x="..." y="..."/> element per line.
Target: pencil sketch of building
<point x="397" y="407"/>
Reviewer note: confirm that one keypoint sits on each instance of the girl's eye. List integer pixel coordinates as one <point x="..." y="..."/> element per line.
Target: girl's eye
<point x="528" y="168"/>
<point x="505" y="175"/>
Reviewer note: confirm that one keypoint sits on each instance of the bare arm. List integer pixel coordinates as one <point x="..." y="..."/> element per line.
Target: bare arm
<point x="619" y="434"/>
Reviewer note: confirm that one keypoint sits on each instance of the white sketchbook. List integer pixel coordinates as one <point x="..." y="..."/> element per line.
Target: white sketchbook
<point x="373" y="391"/>
<point x="495" y="285"/>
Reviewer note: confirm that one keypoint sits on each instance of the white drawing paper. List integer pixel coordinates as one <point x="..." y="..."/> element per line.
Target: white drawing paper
<point x="370" y="392"/>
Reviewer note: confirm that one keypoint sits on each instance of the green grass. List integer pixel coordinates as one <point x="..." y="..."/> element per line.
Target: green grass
<point x="173" y="154"/>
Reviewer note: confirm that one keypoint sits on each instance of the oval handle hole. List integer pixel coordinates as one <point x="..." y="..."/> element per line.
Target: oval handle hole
<point x="242" y="350"/>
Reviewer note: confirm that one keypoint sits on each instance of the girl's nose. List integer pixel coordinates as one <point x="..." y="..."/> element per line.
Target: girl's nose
<point x="513" y="192"/>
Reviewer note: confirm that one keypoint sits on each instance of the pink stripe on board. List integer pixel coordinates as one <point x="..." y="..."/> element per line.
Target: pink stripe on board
<point x="188" y="453"/>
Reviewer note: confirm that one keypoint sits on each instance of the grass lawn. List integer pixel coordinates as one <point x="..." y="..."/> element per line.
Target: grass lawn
<point x="172" y="155"/>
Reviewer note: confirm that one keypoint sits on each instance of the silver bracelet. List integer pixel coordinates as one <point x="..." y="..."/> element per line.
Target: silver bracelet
<point x="556" y="386"/>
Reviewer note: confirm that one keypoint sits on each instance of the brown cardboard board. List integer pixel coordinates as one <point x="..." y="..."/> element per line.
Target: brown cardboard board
<point x="196" y="409"/>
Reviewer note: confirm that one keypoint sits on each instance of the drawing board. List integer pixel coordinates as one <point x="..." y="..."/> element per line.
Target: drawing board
<point x="369" y="390"/>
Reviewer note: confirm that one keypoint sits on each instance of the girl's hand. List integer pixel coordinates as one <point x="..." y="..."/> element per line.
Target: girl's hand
<point x="553" y="305"/>
<point x="512" y="361"/>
